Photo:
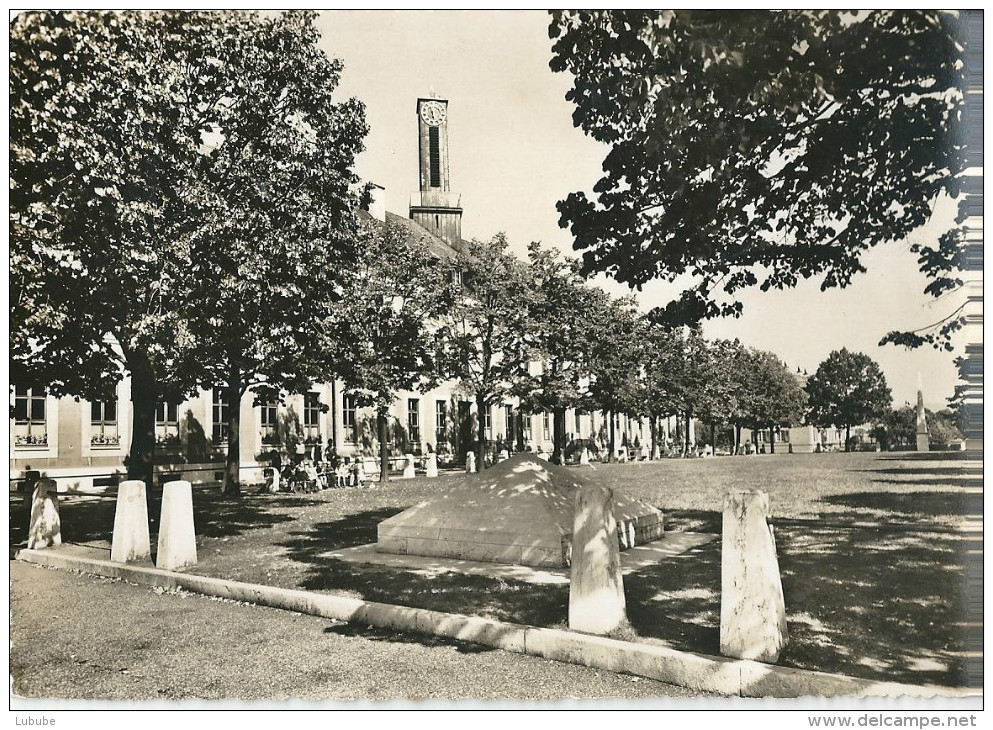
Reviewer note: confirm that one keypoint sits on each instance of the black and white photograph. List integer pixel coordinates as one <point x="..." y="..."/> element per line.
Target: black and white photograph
<point x="496" y="360"/>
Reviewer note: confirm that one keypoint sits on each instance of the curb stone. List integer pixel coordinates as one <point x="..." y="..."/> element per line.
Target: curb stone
<point x="695" y="671"/>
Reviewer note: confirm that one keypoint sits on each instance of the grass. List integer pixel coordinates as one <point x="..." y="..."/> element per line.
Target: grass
<point x="871" y="552"/>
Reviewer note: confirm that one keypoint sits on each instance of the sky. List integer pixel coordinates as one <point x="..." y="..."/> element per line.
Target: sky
<point x="514" y="152"/>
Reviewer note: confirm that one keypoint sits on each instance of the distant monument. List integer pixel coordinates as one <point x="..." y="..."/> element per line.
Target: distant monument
<point x="520" y="511"/>
<point x="923" y="444"/>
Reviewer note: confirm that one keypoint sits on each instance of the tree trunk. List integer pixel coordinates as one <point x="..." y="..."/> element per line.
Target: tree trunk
<point x="772" y="439"/>
<point x="144" y="395"/>
<point x="480" y="432"/>
<point x="611" y="446"/>
<point x="653" y="431"/>
<point x="558" y="435"/>
<point x="848" y="436"/>
<point x="232" y="462"/>
<point x="384" y="451"/>
<point x="713" y="438"/>
<point x="686" y="431"/>
<point x="520" y="429"/>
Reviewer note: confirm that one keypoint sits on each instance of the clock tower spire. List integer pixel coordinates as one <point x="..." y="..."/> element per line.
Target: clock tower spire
<point x="434" y="206"/>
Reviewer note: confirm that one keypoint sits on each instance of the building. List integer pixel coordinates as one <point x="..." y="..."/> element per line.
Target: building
<point x="82" y="445"/>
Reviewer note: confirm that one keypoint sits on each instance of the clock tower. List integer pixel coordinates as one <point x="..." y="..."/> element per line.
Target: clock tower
<point x="434" y="206"/>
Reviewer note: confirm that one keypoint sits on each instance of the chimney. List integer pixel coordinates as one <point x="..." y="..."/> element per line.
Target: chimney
<point x="375" y="201"/>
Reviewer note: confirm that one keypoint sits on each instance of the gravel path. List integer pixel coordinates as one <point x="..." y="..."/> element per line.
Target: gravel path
<point x="77" y="636"/>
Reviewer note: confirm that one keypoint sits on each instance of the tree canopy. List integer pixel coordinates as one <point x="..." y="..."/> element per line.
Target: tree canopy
<point x="847" y="389"/>
<point x="761" y="148"/>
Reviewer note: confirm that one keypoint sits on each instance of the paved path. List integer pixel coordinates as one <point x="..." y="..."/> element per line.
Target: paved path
<point x="85" y="637"/>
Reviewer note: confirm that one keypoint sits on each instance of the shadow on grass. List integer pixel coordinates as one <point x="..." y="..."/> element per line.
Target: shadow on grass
<point x="396" y="637"/>
<point x="931" y="456"/>
<point x="913" y="504"/>
<point x="92" y="519"/>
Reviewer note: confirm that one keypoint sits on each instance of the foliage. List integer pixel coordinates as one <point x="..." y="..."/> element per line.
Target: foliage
<point x="755" y="147"/>
<point x="847" y="389"/>
<point x="772" y="394"/>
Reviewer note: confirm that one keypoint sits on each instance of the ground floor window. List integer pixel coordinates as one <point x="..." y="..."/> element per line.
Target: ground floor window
<point x="268" y="420"/>
<point x="103" y="423"/>
<point x="166" y="422"/>
<point x="414" y="420"/>
<point x="348" y="417"/>
<point x="30" y="416"/>
<point x="488" y="422"/>
<point x="440" y="422"/>
<point x="508" y="422"/>
<point x="312" y="417"/>
<point x="219" y="417"/>
<point x="546" y="431"/>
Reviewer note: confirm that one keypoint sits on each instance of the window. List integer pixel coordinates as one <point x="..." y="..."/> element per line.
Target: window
<point x="440" y="422"/>
<point x="414" y="420"/>
<point x="526" y="426"/>
<point x="312" y="417"/>
<point x="488" y="423"/>
<point x="546" y="432"/>
<point x="348" y="417"/>
<point x="508" y="422"/>
<point x="434" y="152"/>
<point x="166" y="422"/>
<point x="579" y="425"/>
<point x="30" y="422"/>
<point x="219" y="417"/>
<point x="269" y="417"/>
<point x="103" y="423"/>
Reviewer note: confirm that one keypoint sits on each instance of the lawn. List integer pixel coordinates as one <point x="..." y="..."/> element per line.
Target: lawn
<point x="871" y="546"/>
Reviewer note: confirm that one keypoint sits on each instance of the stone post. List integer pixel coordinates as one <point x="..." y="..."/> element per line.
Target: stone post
<point x="923" y="441"/>
<point x="596" y="589"/>
<point x="584" y="457"/>
<point x="177" y="539"/>
<point x="271" y="476"/>
<point x="45" y="528"/>
<point x="131" y="541"/>
<point x="408" y="468"/>
<point x="470" y="462"/>
<point x="431" y="465"/>
<point x="753" y="613"/>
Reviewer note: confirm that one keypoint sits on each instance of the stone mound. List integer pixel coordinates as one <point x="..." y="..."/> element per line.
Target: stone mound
<point x="520" y="512"/>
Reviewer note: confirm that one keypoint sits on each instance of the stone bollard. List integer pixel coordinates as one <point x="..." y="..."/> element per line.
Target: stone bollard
<point x="271" y="476"/>
<point x="177" y="539"/>
<point x="470" y="462"/>
<point x="431" y="465"/>
<point x="596" y="589"/>
<point x="45" y="528"/>
<point x="131" y="541"/>
<point x="753" y="612"/>
<point x="408" y="469"/>
<point x="584" y="457"/>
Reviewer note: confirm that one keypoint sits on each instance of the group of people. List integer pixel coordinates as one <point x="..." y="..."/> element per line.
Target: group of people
<point x="304" y="474"/>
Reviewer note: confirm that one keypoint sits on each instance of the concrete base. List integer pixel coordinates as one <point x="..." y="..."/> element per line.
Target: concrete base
<point x="923" y="442"/>
<point x="177" y="538"/>
<point x="131" y="540"/>
<point x="518" y="512"/>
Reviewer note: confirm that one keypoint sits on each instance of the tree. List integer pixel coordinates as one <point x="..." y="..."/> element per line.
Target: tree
<point x="772" y="395"/>
<point x="484" y="328"/>
<point x="755" y="147"/>
<point x="391" y="299"/>
<point x="847" y="389"/>
<point x="268" y="261"/>
<point x="616" y="356"/>
<point x="144" y="146"/>
<point x="553" y="365"/>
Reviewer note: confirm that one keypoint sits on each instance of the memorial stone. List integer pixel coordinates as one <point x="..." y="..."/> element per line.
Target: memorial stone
<point x="408" y="469"/>
<point x="753" y="612"/>
<point x="470" y="462"/>
<point x="177" y="547"/>
<point x="45" y="527"/>
<point x="131" y="541"/>
<point x="596" y="589"/>
<point x="431" y="465"/>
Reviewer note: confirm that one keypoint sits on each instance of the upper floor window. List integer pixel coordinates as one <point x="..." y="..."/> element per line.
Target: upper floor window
<point x="30" y="416"/>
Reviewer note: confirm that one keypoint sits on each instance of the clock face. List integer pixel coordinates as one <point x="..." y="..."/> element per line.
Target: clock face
<point x="433" y="113"/>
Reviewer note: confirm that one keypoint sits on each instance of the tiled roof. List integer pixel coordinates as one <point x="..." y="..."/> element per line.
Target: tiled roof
<point x="437" y="246"/>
